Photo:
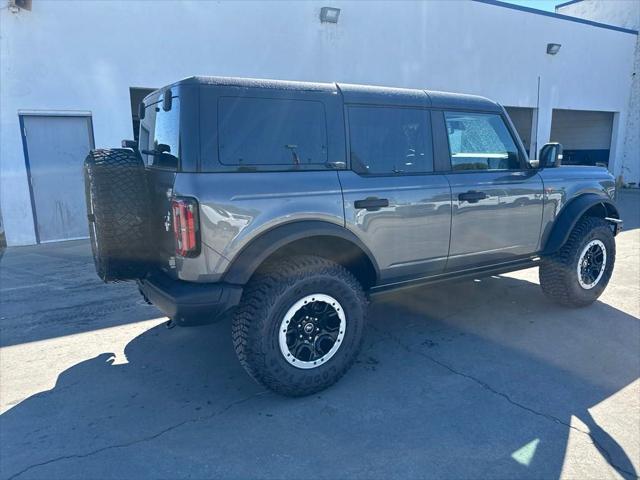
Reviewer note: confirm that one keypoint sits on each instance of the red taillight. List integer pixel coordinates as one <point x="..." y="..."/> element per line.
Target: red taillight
<point x="185" y="226"/>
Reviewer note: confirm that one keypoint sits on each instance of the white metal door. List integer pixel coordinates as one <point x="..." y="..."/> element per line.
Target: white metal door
<point x="55" y="148"/>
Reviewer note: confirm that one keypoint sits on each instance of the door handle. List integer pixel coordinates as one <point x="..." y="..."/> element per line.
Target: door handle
<point x="472" y="196"/>
<point x="371" y="203"/>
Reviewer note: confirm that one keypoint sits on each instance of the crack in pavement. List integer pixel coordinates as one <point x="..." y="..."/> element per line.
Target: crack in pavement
<point x="506" y="397"/>
<point x="143" y="439"/>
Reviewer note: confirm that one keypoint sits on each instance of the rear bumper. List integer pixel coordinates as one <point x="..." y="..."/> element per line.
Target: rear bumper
<point x="189" y="303"/>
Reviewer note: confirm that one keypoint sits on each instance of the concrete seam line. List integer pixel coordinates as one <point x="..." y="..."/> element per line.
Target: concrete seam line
<point x="489" y="388"/>
<point x="140" y="440"/>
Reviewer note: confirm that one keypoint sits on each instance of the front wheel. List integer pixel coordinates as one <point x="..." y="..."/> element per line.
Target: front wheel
<point x="300" y="324"/>
<point x="578" y="273"/>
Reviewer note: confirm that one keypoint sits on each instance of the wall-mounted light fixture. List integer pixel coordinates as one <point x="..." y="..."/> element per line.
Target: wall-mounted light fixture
<point x="553" y="48"/>
<point x="329" y="14"/>
<point x="16" y="5"/>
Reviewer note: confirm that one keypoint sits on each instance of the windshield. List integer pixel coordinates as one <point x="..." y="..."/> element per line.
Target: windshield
<point x="160" y="135"/>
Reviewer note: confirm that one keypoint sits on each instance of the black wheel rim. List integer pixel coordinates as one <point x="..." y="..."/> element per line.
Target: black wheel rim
<point x="312" y="331"/>
<point x="591" y="264"/>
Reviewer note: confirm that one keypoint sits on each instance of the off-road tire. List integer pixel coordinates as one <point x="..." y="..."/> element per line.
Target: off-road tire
<point x="268" y="296"/>
<point x="558" y="272"/>
<point x="118" y="206"/>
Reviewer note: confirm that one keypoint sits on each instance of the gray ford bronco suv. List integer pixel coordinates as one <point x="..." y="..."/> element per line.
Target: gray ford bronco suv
<point x="285" y="205"/>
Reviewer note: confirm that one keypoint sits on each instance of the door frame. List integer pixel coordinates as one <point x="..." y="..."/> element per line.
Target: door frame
<point x="47" y="113"/>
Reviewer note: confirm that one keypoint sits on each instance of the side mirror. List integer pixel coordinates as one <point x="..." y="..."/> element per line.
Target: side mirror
<point x="550" y="155"/>
<point x="141" y="110"/>
<point x="167" y="100"/>
<point x="163" y="148"/>
<point x="132" y="144"/>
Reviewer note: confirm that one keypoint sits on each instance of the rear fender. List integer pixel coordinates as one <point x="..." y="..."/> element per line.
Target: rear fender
<point x="253" y="255"/>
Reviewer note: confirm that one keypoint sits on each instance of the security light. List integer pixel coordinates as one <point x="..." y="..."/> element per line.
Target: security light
<point x="16" y="5"/>
<point x="329" y="14"/>
<point x="553" y="48"/>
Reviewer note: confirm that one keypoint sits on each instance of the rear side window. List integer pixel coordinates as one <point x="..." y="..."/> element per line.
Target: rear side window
<point x="388" y="141"/>
<point x="479" y="141"/>
<point x="273" y="132"/>
<point x="159" y="136"/>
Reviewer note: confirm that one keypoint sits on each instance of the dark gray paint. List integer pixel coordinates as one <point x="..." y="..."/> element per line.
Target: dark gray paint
<point x="411" y="235"/>
<point x="236" y="208"/>
<point x="504" y="225"/>
<point x="425" y="230"/>
<point x="563" y="184"/>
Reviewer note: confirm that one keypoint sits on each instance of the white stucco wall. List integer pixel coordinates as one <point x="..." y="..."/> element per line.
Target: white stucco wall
<point x="68" y="55"/>
<point x="623" y="13"/>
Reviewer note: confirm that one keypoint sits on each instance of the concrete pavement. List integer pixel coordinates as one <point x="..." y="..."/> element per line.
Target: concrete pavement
<point x="477" y="379"/>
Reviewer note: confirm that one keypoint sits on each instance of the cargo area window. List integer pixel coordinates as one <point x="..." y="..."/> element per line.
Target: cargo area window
<point x="390" y="141"/>
<point x="271" y="132"/>
<point x="479" y="141"/>
<point x="159" y="137"/>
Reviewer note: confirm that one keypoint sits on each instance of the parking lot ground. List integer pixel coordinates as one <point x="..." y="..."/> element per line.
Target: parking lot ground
<point x="477" y="379"/>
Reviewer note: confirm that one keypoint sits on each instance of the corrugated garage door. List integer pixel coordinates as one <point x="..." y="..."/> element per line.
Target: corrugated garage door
<point x="522" y="119"/>
<point x="585" y="135"/>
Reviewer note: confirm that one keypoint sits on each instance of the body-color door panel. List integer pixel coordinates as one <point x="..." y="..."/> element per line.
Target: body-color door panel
<point x="502" y="226"/>
<point x="411" y="235"/>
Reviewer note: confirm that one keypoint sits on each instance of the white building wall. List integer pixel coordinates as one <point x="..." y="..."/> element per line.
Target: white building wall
<point x="623" y="13"/>
<point x="68" y="55"/>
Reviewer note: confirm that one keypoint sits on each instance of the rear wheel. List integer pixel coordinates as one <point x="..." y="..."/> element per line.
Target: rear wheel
<point x="118" y="208"/>
<point x="300" y="325"/>
<point x="578" y="273"/>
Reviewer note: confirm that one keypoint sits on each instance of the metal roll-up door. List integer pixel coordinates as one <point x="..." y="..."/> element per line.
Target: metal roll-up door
<point x="585" y="136"/>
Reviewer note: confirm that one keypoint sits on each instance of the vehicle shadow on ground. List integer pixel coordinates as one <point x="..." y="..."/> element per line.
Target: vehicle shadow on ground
<point x="52" y="290"/>
<point x="71" y="299"/>
<point x="470" y="380"/>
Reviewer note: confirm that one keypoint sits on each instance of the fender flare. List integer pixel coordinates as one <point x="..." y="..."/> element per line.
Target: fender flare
<point x="247" y="261"/>
<point x="569" y="216"/>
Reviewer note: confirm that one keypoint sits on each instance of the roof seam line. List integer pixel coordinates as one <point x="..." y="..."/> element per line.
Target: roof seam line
<point x="557" y="16"/>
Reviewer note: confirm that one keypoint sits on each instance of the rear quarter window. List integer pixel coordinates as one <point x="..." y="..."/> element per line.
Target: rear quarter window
<point x="159" y="136"/>
<point x="271" y="132"/>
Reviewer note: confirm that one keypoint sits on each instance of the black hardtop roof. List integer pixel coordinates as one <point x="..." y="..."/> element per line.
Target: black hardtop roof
<point x="352" y="93"/>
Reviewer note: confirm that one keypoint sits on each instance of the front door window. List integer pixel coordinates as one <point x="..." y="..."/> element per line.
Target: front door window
<point x="479" y="141"/>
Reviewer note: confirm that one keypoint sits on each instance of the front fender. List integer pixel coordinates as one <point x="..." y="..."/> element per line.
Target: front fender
<point x="571" y="213"/>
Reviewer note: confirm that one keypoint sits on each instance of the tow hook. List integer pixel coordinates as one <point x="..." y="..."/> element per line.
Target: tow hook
<point x="616" y="223"/>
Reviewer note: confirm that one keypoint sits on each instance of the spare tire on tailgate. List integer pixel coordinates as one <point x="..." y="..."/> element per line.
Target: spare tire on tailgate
<point x="118" y="206"/>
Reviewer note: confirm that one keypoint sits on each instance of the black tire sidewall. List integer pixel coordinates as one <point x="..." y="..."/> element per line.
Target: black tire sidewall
<point x="603" y="233"/>
<point x="116" y="181"/>
<point x="266" y="300"/>
<point x="354" y="317"/>
<point x="95" y="248"/>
